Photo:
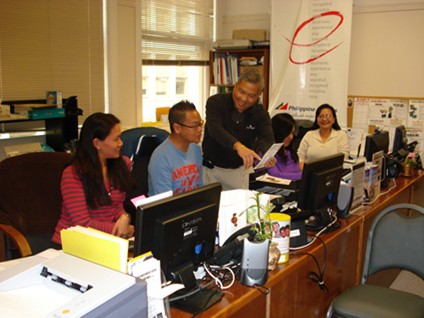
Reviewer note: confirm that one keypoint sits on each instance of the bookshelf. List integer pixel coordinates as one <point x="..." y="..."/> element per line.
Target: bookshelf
<point x="226" y="66"/>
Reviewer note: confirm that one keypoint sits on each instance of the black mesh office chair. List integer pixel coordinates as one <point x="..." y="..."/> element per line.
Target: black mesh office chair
<point x="133" y="137"/>
<point x="139" y="144"/>
<point x="395" y="241"/>
<point x="302" y="127"/>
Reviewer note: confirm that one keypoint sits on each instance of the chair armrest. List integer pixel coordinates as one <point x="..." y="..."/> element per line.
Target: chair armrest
<point x="18" y="238"/>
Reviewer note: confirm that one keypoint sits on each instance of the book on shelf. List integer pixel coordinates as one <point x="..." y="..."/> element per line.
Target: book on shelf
<point x="24" y="109"/>
<point x="225" y="69"/>
<point x="96" y="246"/>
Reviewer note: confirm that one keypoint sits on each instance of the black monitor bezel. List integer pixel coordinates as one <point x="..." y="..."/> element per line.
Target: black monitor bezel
<point x="148" y="215"/>
<point x="328" y="163"/>
<point x="399" y="139"/>
<point x="376" y="142"/>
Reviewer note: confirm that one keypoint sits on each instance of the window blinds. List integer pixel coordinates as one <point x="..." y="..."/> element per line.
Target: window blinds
<point x="52" y="45"/>
<point x="176" y="32"/>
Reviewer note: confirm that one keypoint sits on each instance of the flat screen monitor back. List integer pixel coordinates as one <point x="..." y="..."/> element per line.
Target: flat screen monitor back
<point x="375" y="143"/>
<point x="400" y="141"/>
<point x="319" y="189"/>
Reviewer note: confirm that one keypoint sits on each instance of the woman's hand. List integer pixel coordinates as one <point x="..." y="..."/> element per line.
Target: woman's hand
<point x="122" y="227"/>
<point x="270" y="163"/>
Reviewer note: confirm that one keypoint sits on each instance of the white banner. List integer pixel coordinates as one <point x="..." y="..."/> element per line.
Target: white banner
<point x="310" y="45"/>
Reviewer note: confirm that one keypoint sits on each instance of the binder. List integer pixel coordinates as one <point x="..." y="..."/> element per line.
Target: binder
<point x="96" y="246"/>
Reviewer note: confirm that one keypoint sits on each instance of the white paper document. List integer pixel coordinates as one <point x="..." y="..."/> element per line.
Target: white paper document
<point x="268" y="155"/>
<point x="267" y="178"/>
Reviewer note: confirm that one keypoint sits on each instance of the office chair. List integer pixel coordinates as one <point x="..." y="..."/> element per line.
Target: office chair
<point x="302" y="127"/>
<point x="139" y="144"/>
<point x="30" y="200"/>
<point x="131" y="138"/>
<point x="395" y="240"/>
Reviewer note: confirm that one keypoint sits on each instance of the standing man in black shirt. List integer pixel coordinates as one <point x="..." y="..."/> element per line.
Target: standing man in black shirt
<point x="237" y="125"/>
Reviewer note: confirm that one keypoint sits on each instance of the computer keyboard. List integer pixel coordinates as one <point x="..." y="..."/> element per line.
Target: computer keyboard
<point x="295" y="213"/>
<point x="276" y="191"/>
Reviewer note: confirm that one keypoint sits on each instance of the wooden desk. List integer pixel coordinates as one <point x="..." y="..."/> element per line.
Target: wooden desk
<point x="292" y="293"/>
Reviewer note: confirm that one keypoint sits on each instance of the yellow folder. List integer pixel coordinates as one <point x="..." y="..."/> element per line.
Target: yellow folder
<point x="96" y="246"/>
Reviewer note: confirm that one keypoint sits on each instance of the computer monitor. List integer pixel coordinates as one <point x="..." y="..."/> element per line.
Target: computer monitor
<point x="319" y="188"/>
<point x="180" y="231"/>
<point x="375" y="143"/>
<point x="400" y="141"/>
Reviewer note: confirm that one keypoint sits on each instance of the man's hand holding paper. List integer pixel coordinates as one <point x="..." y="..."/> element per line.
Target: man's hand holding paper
<point x="268" y="159"/>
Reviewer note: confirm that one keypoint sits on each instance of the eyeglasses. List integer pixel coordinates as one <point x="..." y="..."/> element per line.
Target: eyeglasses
<point x="326" y="116"/>
<point x="199" y="125"/>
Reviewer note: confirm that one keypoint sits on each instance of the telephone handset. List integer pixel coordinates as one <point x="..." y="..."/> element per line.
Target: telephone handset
<point x="321" y="219"/>
<point x="324" y="216"/>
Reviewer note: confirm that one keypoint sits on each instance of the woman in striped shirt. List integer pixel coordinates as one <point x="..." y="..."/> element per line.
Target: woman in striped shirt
<point x="94" y="186"/>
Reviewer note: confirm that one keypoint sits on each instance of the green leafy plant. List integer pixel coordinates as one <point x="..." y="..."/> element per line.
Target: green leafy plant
<point x="259" y="214"/>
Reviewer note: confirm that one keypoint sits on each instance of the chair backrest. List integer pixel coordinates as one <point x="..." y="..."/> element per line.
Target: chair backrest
<point x="131" y="138"/>
<point x="30" y="197"/>
<point x="141" y="158"/>
<point x="396" y="240"/>
<point x="302" y="127"/>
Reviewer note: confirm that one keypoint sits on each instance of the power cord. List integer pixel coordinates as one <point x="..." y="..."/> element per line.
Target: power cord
<point x="218" y="273"/>
<point x="313" y="239"/>
<point x="318" y="278"/>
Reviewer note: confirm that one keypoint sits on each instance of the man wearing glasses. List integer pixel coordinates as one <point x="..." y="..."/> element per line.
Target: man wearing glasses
<point x="237" y="127"/>
<point x="176" y="164"/>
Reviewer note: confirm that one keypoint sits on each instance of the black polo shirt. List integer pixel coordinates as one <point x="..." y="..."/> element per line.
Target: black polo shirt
<point x="225" y="125"/>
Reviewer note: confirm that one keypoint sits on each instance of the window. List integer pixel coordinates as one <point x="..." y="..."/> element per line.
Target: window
<point x="52" y="45"/>
<point x="161" y="85"/>
<point x="180" y="85"/>
<point x="176" y="39"/>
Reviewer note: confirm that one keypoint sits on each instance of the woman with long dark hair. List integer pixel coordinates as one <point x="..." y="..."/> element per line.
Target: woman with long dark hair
<point x="95" y="184"/>
<point x="287" y="166"/>
<point x="326" y="137"/>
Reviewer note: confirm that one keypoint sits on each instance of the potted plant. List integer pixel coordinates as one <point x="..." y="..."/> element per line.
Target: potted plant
<point x="259" y="214"/>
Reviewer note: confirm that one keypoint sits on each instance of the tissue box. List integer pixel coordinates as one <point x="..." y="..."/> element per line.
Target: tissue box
<point x="54" y="98"/>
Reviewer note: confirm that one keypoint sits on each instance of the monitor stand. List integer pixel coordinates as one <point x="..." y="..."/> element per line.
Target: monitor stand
<point x="192" y="298"/>
<point x="198" y="302"/>
<point x="320" y="219"/>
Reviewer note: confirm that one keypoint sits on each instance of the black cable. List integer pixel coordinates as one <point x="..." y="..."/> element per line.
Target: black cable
<point x="263" y="289"/>
<point x="318" y="278"/>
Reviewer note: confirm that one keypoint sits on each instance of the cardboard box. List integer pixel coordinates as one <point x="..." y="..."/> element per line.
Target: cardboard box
<point x="4" y="110"/>
<point x="54" y="98"/>
<point x="250" y="34"/>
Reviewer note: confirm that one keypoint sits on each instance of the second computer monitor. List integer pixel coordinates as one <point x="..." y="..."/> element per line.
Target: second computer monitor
<point x="375" y="143"/>
<point x="400" y="141"/>
<point x="319" y="187"/>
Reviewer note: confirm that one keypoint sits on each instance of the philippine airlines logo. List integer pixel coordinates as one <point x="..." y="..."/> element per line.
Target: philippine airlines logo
<point x="282" y="106"/>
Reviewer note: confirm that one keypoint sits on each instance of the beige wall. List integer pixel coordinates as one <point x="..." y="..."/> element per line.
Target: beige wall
<point x="239" y="14"/>
<point x="386" y="57"/>
<point x="386" y="49"/>
<point x="123" y="89"/>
